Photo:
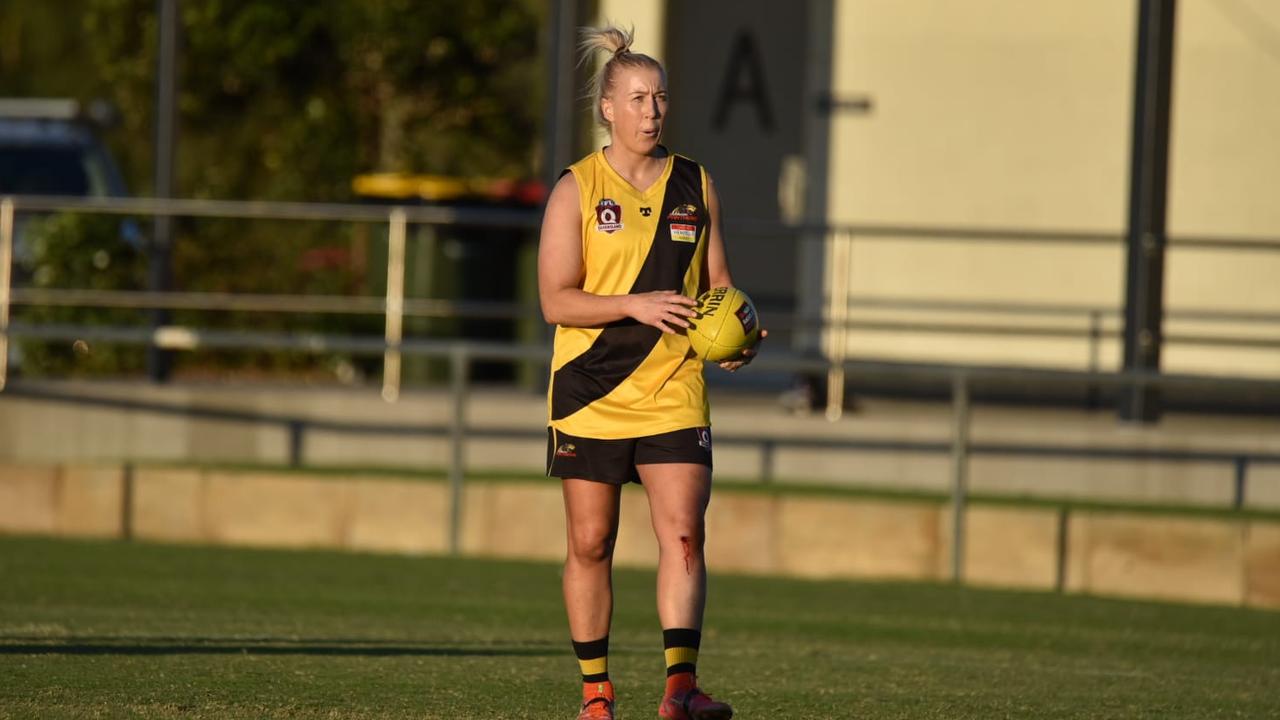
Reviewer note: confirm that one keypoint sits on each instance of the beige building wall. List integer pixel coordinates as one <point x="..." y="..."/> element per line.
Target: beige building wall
<point x="1225" y="175"/>
<point x="1013" y="114"/>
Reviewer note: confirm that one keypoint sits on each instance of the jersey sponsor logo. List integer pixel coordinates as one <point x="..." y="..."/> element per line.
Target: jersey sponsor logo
<point x="567" y="450"/>
<point x="608" y="216"/>
<point x="646" y="211"/>
<point x="684" y="223"/>
<point x="704" y="438"/>
<point x="746" y="316"/>
<point x="684" y="233"/>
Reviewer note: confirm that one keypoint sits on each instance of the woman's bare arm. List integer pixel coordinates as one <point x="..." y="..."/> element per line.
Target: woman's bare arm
<point x="560" y="274"/>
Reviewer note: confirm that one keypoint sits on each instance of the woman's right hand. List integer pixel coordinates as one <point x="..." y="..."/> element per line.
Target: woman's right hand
<point x="666" y="310"/>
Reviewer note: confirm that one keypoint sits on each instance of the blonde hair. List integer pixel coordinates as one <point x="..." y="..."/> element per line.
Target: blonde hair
<point x="617" y="43"/>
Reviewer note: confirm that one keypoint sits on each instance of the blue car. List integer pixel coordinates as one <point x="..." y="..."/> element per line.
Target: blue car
<point x="50" y="147"/>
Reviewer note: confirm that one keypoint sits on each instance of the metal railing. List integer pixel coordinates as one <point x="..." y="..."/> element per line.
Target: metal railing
<point x="841" y="239"/>
<point x="396" y="217"/>
<point x="392" y="346"/>
<point x="835" y="323"/>
<point x="1096" y="323"/>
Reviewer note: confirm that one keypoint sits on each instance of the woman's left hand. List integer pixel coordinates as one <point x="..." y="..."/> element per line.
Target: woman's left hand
<point x="747" y="355"/>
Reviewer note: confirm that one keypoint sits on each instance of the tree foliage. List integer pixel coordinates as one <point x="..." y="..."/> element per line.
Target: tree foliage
<point x="287" y="101"/>
<point x="290" y="100"/>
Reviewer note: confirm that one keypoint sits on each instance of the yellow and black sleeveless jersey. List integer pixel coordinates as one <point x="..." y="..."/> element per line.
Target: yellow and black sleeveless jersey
<point x="628" y="379"/>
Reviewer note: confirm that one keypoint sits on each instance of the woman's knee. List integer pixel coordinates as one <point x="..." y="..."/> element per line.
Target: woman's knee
<point x="686" y="533"/>
<point x="592" y="544"/>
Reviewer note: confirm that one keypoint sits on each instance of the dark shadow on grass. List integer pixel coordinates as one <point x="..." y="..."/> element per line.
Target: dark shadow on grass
<point x="262" y="646"/>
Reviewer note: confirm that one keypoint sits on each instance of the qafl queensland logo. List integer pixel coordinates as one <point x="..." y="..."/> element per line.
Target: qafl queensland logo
<point x="608" y="216"/>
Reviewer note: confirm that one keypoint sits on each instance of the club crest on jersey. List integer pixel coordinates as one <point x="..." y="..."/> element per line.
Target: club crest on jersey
<point x="608" y="216"/>
<point x="684" y="223"/>
<point x="746" y="316"/>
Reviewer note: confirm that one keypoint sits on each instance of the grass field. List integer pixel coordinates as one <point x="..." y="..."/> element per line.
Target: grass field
<point x="119" y="630"/>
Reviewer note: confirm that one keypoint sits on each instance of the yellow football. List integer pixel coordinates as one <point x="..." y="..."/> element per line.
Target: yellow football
<point x="726" y="325"/>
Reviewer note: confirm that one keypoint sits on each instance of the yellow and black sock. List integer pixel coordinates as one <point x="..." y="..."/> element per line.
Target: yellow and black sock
<point x="593" y="658"/>
<point x="681" y="647"/>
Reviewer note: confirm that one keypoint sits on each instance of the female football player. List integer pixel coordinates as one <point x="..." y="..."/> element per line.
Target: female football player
<point x="631" y="235"/>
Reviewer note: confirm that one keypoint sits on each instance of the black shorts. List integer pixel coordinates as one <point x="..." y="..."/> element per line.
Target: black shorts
<point x="615" y="461"/>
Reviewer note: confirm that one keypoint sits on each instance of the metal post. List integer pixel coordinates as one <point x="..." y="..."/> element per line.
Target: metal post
<point x="1095" y="356"/>
<point x="1095" y="340"/>
<point x="768" y="450"/>
<point x="838" y="314"/>
<point x="561" y="84"/>
<point x="126" y="502"/>
<point x="458" y="366"/>
<point x="959" y="471"/>
<point x="6" y="261"/>
<point x="160" y="270"/>
<point x="1148" y="199"/>
<point x="1242" y="469"/>
<point x="1064" y="547"/>
<point x="394" y="305"/>
<point x="296" y="428"/>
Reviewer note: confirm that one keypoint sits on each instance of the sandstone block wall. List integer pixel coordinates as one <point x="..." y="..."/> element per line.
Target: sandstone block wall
<point x="1184" y="558"/>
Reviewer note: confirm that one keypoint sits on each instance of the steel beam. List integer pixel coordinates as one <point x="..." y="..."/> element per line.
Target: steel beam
<point x="1148" y="200"/>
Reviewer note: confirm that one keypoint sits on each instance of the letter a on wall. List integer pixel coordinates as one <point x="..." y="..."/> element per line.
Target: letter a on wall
<point x="743" y="82"/>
